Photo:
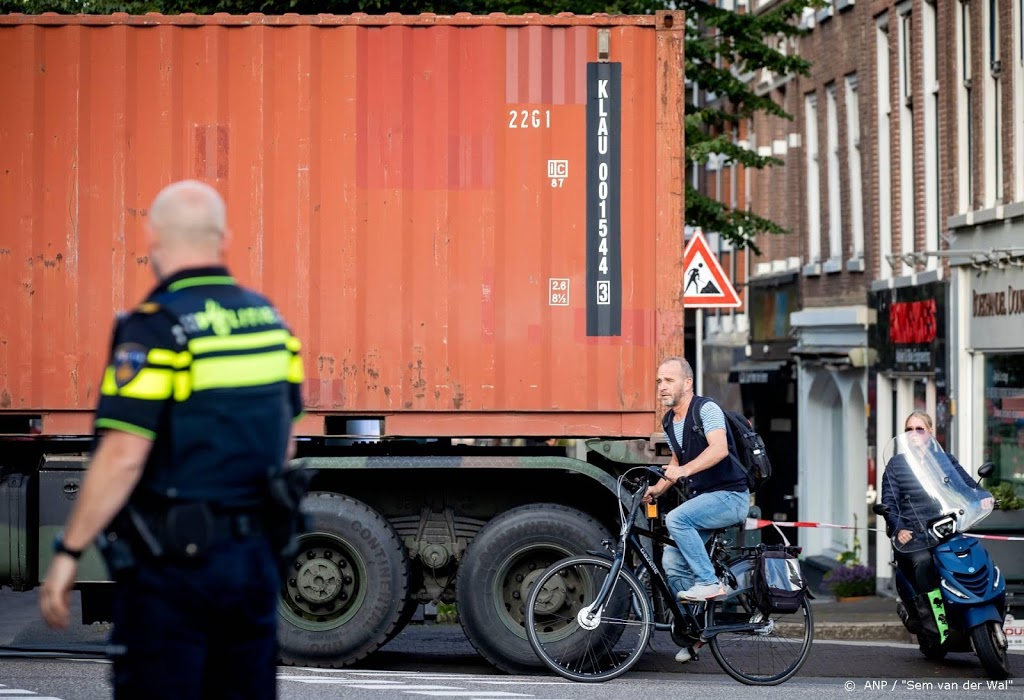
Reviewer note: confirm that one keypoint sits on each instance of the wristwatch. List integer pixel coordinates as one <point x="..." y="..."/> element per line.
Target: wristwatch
<point x="60" y="548"/>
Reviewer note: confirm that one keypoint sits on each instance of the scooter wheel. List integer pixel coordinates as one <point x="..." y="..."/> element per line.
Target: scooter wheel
<point x="990" y="645"/>
<point x="931" y="650"/>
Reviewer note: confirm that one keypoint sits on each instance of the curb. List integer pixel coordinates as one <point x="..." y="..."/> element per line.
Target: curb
<point x="856" y="631"/>
<point x="864" y="631"/>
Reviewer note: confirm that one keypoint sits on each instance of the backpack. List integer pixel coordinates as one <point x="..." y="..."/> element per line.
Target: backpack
<point x="779" y="586"/>
<point x="751" y="455"/>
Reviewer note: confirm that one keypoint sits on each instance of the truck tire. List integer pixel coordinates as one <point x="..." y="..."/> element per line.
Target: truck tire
<point x="347" y="588"/>
<point x="500" y="565"/>
<point x="409" y="609"/>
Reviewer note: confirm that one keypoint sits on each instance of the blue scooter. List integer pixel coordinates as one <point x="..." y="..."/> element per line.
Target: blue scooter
<point x="934" y="507"/>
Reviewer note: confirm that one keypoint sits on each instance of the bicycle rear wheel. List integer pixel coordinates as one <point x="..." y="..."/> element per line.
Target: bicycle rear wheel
<point x="768" y="655"/>
<point x="570" y="641"/>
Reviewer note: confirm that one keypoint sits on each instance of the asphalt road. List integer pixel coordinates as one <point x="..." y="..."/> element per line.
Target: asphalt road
<point x="437" y="661"/>
<point x="78" y="680"/>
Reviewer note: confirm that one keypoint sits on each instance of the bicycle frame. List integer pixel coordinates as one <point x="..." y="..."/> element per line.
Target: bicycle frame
<point x="684" y="615"/>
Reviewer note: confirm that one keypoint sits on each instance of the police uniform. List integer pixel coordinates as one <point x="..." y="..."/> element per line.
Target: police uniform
<point x="210" y="372"/>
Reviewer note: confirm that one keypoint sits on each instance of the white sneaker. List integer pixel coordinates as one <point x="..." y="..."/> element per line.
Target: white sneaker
<point x="683" y="656"/>
<point x="703" y="591"/>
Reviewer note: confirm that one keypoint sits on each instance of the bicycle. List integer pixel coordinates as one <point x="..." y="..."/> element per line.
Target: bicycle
<point x="590" y="617"/>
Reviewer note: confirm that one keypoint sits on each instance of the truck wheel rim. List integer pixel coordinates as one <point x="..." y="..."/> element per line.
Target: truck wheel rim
<point x="512" y="582"/>
<point x="559" y="613"/>
<point x="324" y="587"/>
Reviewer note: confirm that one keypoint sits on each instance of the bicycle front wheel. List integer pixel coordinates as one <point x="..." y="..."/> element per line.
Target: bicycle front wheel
<point x="574" y="639"/>
<point x="770" y="653"/>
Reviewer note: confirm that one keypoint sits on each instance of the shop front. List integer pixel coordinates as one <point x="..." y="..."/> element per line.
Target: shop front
<point x="831" y="354"/>
<point x="991" y="406"/>
<point x="767" y="385"/>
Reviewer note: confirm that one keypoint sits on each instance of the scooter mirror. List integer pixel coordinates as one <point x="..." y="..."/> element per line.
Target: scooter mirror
<point x="880" y="509"/>
<point x="986" y="469"/>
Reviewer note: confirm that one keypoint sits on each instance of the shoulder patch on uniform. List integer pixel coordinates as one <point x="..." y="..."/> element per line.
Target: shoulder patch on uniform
<point x="148" y="307"/>
<point x="129" y="358"/>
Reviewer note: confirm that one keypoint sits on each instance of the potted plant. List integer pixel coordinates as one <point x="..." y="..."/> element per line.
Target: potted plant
<point x="1006" y="496"/>
<point x="847" y="581"/>
<point x="851" y="579"/>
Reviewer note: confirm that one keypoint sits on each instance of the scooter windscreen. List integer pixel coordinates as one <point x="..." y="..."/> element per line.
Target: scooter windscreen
<point x="926" y="494"/>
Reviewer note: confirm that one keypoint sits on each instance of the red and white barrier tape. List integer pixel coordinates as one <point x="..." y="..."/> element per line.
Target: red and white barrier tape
<point x="757" y="524"/>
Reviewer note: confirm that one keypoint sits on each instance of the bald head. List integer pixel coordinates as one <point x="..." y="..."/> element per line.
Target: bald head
<point x="188" y="225"/>
<point x="190" y="212"/>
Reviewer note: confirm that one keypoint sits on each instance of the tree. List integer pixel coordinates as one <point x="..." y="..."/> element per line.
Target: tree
<point x="722" y="47"/>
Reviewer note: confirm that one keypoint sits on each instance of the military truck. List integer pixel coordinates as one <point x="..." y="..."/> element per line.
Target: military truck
<point x="473" y="223"/>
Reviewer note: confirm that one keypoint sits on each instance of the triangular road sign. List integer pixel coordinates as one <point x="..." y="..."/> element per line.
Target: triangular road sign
<point x="705" y="283"/>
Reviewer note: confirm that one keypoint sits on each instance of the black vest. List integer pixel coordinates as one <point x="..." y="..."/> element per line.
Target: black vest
<point x="724" y="476"/>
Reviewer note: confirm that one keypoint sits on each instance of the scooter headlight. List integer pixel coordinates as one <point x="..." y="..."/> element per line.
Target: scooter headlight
<point x="995" y="581"/>
<point x="945" y="527"/>
<point x="953" y="589"/>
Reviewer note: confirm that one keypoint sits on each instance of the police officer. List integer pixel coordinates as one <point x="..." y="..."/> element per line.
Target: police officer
<point x="196" y="408"/>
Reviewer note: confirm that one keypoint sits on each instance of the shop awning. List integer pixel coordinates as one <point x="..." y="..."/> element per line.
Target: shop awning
<point x="837" y="355"/>
<point x="760" y="372"/>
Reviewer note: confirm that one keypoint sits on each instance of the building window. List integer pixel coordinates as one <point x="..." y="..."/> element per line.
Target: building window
<point x="813" y="181"/>
<point x="965" y="105"/>
<point x="853" y="164"/>
<point x="993" y="105"/>
<point x="907" y="198"/>
<point x="1004" y="412"/>
<point x="930" y="83"/>
<point x="835" y="205"/>
<point x="883" y="115"/>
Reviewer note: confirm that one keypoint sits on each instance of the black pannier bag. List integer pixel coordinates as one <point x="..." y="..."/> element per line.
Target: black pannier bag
<point x="779" y="585"/>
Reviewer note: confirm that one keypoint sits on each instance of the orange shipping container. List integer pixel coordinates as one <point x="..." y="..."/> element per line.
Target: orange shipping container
<point x="473" y="223"/>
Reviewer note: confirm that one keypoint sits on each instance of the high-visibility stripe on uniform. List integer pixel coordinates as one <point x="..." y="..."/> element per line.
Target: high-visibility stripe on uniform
<point x="244" y="341"/>
<point x="296" y="374"/>
<point x="200" y="281"/>
<point x="182" y="385"/>
<point x="123" y="426"/>
<point x="240" y="370"/>
<point x="109" y="385"/>
<point x="150" y="384"/>
<point x="168" y="358"/>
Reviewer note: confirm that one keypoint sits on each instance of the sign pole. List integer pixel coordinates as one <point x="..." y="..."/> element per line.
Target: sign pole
<point x="699" y="369"/>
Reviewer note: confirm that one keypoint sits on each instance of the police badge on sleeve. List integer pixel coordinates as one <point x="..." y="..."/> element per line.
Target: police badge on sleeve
<point x="129" y="359"/>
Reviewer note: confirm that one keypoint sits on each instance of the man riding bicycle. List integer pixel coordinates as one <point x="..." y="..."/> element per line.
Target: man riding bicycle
<point x="715" y="486"/>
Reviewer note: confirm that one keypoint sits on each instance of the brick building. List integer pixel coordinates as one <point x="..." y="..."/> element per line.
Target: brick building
<point x="903" y="189"/>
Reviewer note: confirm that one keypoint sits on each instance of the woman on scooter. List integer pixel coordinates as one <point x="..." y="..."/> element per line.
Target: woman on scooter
<point x="905" y="495"/>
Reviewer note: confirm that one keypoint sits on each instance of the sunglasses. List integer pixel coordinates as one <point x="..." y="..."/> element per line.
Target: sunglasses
<point x="916" y="430"/>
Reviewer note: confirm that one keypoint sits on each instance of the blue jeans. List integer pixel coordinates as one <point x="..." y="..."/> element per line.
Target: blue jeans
<point x="690" y="525"/>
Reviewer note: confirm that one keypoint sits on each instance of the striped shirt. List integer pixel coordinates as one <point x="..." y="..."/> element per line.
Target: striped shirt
<point x="711" y="417"/>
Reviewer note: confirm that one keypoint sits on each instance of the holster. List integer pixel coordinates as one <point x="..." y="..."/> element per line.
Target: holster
<point x="178" y="533"/>
<point x="285" y="520"/>
<point x="182" y="532"/>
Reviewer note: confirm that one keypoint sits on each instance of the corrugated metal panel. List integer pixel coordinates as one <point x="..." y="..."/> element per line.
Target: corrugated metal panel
<point x="387" y="184"/>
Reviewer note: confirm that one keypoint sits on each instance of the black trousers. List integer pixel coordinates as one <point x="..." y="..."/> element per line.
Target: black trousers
<point x="917" y="568"/>
<point x="199" y="631"/>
